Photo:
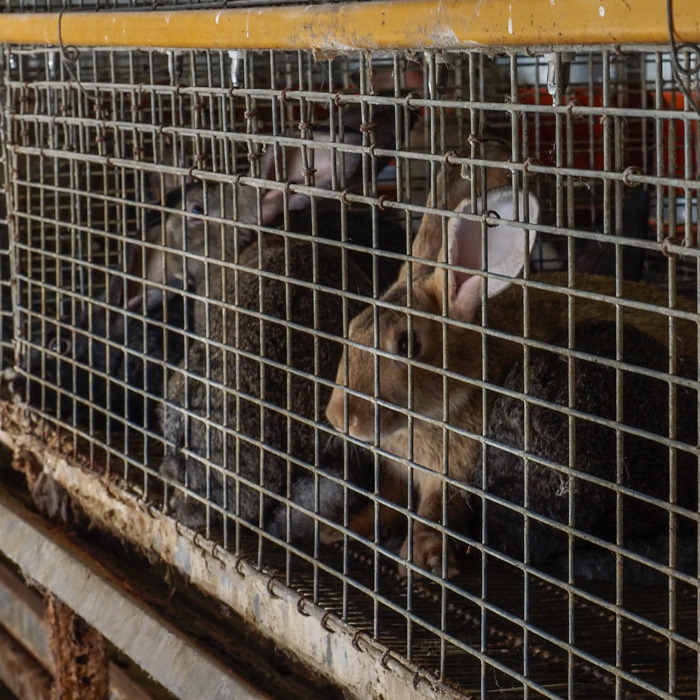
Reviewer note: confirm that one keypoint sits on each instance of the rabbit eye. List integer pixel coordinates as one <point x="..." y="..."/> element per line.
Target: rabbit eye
<point x="402" y="345"/>
<point x="197" y="209"/>
<point x="59" y="345"/>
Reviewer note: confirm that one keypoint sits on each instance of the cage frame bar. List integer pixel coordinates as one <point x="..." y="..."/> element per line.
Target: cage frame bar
<point x="337" y="28"/>
<point x="320" y="638"/>
<point x="52" y="561"/>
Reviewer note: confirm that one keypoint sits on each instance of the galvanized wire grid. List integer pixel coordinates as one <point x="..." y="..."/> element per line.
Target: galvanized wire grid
<point x="103" y="148"/>
<point x="6" y="354"/>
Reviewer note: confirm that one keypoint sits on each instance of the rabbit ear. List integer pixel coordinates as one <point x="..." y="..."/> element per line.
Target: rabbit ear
<point x="301" y="162"/>
<point x="115" y="289"/>
<point x="452" y="186"/>
<point x="159" y="183"/>
<point x="428" y="241"/>
<point x="135" y="289"/>
<point x="330" y="167"/>
<point x="508" y="249"/>
<point x="164" y="188"/>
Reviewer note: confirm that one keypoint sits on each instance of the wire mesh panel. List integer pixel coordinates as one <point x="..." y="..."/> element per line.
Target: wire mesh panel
<point x="6" y="353"/>
<point x="416" y="330"/>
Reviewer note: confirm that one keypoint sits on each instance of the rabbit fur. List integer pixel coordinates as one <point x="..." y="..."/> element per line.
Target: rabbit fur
<point x="113" y="353"/>
<point x="127" y="323"/>
<point x="225" y="416"/>
<point x="413" y="324"/>
<point x="223" y="445"/>
<point x="646" y="468"/>
<point x="120" y="343"/>
<point x="220" y="221"/>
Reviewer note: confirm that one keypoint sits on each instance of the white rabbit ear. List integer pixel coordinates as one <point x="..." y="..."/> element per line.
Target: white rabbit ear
<point x="328" y="169"/>
<point x="452" y="186"/>
<point x="331" y="168"/>
<point x="508" y="249"/>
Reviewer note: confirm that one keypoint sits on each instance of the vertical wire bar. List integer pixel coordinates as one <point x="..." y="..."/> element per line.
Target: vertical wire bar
<point x="10" y="193"/>
<point x="529" y="122"/>
<point x="8" y="311"/>
<point x="475" y="65"/>
<point x="618" y="155"/>
<point x="430" y="66"/>
<point x="608" y="165"/>
<point x="672" y="370"/>
<point x="568" y="157"/>
<point x="563" y="147"/>
<point x="439" y="72"/>
<point x="514" y="97"/>
<point x="696" y="153"/>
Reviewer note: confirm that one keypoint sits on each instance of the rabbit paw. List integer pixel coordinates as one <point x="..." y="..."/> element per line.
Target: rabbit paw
<point x="187" y="511"/>
<point x="330" y="535"/>
<point x="427" y="552"/>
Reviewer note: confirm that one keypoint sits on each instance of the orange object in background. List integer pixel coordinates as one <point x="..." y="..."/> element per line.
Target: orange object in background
<point x="588" y="130"/>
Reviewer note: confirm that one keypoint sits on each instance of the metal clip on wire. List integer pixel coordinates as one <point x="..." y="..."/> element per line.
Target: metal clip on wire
<point x="237" y="64"/>
<point x="683" y="75"/>
<point x="71" y="54"/>
<point x="558" y="72"/>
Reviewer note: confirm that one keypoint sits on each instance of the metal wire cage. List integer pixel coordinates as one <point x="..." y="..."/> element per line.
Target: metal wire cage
<point x="192" y="235"/>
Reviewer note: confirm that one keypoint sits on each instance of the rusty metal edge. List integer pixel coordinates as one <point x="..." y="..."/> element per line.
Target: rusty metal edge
<point x="22" y="617"/>
<point x="21" y="673"/>
<point x="321" y="640"/>
<point x="158" y="647"/>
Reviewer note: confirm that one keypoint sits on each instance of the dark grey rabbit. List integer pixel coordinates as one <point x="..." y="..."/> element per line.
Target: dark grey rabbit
<point x="239" y="416"/>
<point x="243" y="405"/>
<point x="107" y="359"/>
<point x="646" y="461"/>
<point x="113" y="356"/>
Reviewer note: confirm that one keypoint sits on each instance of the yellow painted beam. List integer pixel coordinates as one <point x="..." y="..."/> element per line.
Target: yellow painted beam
<point x="383" y="24"/>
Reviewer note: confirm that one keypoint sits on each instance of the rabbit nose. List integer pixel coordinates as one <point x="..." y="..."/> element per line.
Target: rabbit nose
<point x="335" y="411"/>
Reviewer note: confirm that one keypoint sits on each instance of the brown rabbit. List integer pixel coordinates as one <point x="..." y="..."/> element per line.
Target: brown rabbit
<point x="432" y="318"/>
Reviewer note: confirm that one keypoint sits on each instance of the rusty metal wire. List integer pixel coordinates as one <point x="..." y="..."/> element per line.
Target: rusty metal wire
<point x="99" y="159"/>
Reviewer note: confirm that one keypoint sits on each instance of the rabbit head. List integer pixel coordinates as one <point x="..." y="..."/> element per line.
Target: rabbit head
<point x="217" y="221"/>
<point x="109" y="354"/>
<point x="407" y="326"/>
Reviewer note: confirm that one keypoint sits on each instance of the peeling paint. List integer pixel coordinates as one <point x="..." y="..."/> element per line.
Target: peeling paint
<point x="256" y="606"/>
<point x="182" y="556"/>
<point x="510" y="19"/>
